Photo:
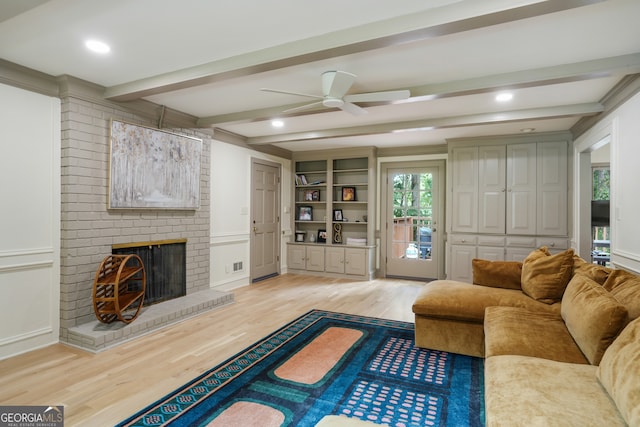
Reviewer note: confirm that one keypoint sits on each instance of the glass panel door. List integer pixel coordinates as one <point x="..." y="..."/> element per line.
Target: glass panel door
<point x="410" y="223"/>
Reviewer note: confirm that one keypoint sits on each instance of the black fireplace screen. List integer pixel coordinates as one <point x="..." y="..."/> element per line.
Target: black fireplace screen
<point x="165" y="265"/>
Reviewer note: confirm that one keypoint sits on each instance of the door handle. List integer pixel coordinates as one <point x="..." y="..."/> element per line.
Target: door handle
<point x="255" y="230"/>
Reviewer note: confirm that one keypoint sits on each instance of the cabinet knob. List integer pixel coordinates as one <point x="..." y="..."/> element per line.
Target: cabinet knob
<point x="552" y="244"/>
<point x="464" y="240"/>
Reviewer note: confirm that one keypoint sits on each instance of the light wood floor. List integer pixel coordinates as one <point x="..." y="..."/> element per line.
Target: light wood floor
<point x="103" y="389"/>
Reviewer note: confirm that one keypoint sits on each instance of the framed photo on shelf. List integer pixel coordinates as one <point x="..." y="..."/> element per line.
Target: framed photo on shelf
<point x="348" y="194"/>
<point x="311" y="195"/>
<point x="305" y="213"/>
<point x="337" y="215"/>
<point x="322" y="236"/>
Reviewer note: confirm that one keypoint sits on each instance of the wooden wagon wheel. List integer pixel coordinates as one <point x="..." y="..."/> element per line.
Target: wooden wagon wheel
<point x="118" y="288"/>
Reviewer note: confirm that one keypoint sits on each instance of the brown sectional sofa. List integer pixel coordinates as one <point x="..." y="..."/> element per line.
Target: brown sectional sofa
<point x="560" y="337"/>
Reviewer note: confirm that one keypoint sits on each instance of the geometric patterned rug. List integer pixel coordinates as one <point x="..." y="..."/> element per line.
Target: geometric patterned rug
<point x="329" y="363"/>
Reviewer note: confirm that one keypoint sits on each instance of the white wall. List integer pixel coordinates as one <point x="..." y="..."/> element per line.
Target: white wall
<point x="29" y="220"/>
<point x="623" y="128"/>
<point x="230" y="208"/>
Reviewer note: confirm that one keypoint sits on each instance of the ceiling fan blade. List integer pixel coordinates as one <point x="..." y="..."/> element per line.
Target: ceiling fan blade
<point x="391" y="95"/>
<point x="302" y="107"/>
<point x="353" y="109"/>
<point x="336" y="83"/>
<point x="290" y="93"/>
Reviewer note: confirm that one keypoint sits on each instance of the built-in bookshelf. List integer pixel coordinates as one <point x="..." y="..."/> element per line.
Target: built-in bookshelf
<point x="333" y="209"/>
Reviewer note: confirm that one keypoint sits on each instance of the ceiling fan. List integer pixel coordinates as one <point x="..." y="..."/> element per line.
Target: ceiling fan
<point x="335" y="85"/>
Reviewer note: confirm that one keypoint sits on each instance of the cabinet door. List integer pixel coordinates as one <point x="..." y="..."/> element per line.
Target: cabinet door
<point x="355" y="261"/>
<point x="334" y="260"/>
<point x="491" y="189"/>
<point x="521" y="189"/>
<point x="552" y="189"/>
<point x="315" y="258"/>
<point x="518" y="254"/>
<point x="465" y="189"/>
<point x="461" y="257"/>
<point x="492" y="253"/>
<point x="296" y="257"/>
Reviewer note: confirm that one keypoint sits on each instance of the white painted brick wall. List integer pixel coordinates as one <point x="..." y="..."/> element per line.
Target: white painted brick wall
<point x="88" y="229"/>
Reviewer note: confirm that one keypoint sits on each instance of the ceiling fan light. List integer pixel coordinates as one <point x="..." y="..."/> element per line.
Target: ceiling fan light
<point x="333" y="102"/>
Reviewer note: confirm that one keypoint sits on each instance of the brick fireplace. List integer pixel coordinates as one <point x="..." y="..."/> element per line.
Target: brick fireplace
<point x="89" y="230"/>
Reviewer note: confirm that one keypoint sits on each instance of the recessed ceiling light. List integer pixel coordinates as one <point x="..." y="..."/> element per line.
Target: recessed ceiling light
<point x="97" y="46"/>
<point x="277" y="123"/>
<point x="504" y="97"/>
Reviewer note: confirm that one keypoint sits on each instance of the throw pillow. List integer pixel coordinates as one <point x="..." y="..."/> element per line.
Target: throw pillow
<point x="593" y="316"/>
<point x="545" y="276"/>
<point x="617" y="278"/>
<point x="497" y="274"/>
<point x="619" y="373"/>
<point x="595" y="272"/>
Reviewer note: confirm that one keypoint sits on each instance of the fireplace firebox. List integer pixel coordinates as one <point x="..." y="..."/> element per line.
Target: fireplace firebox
<point x="165" y="264"/>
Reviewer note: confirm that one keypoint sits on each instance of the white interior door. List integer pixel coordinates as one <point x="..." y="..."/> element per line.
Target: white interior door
<point x="265" y="220"/>
<point x="412" y="221"/>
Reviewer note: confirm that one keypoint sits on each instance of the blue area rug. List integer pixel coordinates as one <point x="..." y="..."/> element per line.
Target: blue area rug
<point x="329" y="363"/>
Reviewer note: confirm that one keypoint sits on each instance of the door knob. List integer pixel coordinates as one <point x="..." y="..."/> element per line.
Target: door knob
<point x="255" y="230"/>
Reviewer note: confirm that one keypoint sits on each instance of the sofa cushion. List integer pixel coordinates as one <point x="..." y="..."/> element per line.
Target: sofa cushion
<point x="593" y="317"/>
<point x="497" y="274"/>
<point x="595" y="272"/>
<point x="545" y="276"/>
<point x="529" y="391"/>
<point x="453" y="300"/>
<point x="619" y="372"/>
<point x="518" y="331"/>
<point x="625" y="287"/>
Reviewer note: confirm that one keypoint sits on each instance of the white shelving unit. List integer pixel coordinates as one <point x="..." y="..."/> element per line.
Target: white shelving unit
<point x="333" y="196"/>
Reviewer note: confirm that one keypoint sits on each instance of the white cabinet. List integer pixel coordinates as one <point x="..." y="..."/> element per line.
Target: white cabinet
<point x="518" y="188"/>
<point x="351" y="261"/>
<point x="331" y="260"/>
<point x="306" y="257"/>
<point x="491" y="189"/>
<point x="508" y="196"/>
<point x="552" y="189"/>
<point x="465" y="189"/>
<point x="521" y="189"/>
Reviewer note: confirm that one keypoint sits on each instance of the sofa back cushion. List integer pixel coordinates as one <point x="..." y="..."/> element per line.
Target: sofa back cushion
<point x="497" y="274"/>
<point x="595" y="272"/>
<point x="619" y="373"/>
<point x="625" y="287"/>
<point x="545" y="276"/>
<point x="593" y="316"/>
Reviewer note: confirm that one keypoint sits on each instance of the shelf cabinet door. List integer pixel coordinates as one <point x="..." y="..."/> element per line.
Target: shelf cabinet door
<point x="465" y="190"/>
<point x="334" y="260"/>
<point x="491" y="189"/>
<point x="297" y="255"/>
<point x="315" y="258"/>
<point x="552" y="189"/>
<point x="355" y="261"/>
<point x="461" y="256"/>
<point x="521" y="189"/>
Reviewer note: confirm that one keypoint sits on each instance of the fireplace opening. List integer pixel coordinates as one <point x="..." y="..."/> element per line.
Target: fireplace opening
<point x="165" y="262"/>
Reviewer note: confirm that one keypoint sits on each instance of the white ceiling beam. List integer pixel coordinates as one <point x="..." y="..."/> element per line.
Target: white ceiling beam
<point x="624" y="64"/>
<point x="577" y="110"/>
<point x="462" y="16"/>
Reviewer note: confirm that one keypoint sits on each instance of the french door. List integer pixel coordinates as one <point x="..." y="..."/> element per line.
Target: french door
<point x="412" y="204"/>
